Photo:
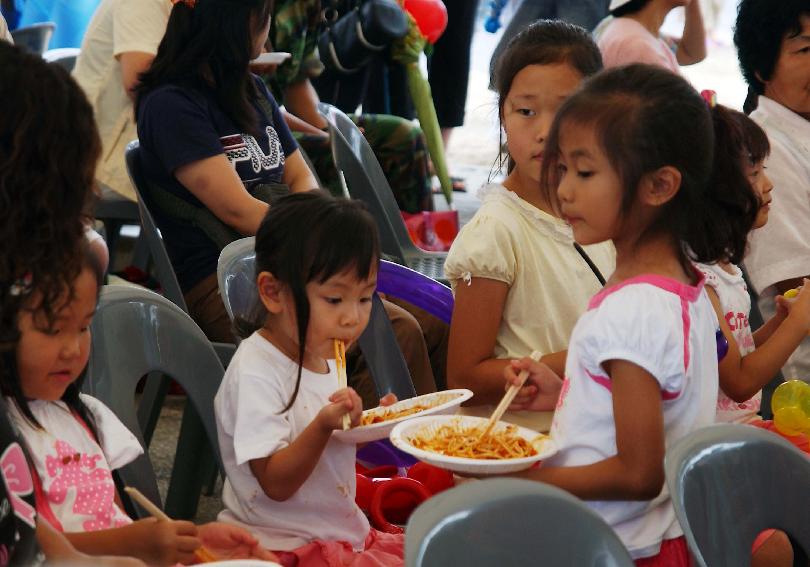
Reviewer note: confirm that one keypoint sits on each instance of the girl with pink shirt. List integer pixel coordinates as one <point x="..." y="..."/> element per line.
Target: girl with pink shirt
<point x="635" y="157"/>
<point x="632" y="34"/>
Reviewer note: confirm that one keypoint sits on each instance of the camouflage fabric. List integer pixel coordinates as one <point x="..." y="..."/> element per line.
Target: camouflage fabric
<point x="294" y="29"/>
<point x="399" y="147"/>
<point x="398" y="144"/>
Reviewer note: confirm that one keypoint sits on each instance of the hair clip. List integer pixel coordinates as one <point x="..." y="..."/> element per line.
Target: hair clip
<point x="22" y="286"/>
<point x="710" y="97"/>
<point x="189" y="3"/>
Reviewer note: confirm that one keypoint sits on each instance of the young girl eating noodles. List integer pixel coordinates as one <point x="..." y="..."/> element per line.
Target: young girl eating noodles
<point x="633" y="158"/>
<point x="288" y="480"/>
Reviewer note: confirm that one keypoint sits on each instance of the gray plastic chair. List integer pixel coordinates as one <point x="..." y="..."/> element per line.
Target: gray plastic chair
<point x="34" y="38"/>
<point x="729" y="483"/>
<point x="136" y="331"/>
<point x="510" y="522"/>
<point x="366" y="181"/>
<point x="65" y="57"/>
<point x="154" y="241"/>
<point x="236" y="274"/>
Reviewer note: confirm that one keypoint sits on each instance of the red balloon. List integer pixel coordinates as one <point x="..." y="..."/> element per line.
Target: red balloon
<point x="430" y="16"/>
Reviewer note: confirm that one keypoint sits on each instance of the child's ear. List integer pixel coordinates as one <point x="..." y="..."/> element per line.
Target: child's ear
<point x="270" y="292"/>
<point x="660" y="186"/>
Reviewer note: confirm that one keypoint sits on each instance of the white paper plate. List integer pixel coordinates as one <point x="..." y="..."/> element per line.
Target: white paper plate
<point x="403" y="432"/>
<point x="271" y="58"/>
<point x="451" y="400"/>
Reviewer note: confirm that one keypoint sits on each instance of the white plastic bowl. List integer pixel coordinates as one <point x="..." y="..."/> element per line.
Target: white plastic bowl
<point x="403" y="433"/>
<point x="376" y="431"/>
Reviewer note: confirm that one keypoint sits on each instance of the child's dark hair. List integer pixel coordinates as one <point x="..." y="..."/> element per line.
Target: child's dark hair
<point x="754" y="139"/>
<point x="311" y="237"/>
<point x="545" y="42"/>
<point x="630" y="8"/>
<point x="49" y="147"/>
<point x="10" y="379"/>
<point x="645" y="118"/>
<point x="209" y="46"/>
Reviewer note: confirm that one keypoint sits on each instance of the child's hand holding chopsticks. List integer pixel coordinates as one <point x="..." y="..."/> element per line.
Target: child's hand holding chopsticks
<point x="541" y="389"/>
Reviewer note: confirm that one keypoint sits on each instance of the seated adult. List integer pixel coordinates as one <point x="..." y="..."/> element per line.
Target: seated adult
<point x="215" y="149"/>
<point x="773" y="43"/>
<point x="398" y="144"/>
<point x="632" y="34"/>
<point x="120" y="43"/>
<point x="5" y="35"/>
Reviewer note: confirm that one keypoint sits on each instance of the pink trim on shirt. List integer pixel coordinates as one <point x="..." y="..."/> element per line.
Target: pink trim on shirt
<point x="686" y="292"/>
<point x="604" y="381"/>
<point x="686" y="324"/>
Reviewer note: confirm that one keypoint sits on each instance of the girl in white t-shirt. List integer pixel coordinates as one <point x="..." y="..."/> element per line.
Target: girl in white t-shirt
<point x="75" y="442"/>
<point x="517" y="256"/>
<point x="753" y="359"/>
<point x="288" y="479"/>
<point x="629" y="158"/>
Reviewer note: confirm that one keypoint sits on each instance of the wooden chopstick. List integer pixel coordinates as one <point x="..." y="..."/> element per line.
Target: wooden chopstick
<point x="340" y="365"/>
<point x="202" y="554"/>
<point x="508" y="397"/>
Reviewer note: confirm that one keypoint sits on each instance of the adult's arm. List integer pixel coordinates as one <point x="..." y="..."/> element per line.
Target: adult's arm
<point x="297" y="173"/>
<point x="133" y="64"/>
<point x="692" y="46"/>
<point x="302" y="100"/>
<point x="215" y="182"/>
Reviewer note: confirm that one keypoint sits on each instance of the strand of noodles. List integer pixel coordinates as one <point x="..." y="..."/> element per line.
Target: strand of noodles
<point x="340" y="365"/>
<point x="454" y="441"/>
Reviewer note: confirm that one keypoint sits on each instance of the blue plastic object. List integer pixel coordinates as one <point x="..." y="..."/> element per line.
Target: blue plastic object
<point x="722" y="345"/>
<point x="70" y="16"/>
<point x="415" y="288"/>
<point x="493" y="21"/>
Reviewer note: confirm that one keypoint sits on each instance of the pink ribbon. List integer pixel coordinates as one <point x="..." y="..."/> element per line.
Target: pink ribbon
<point x="18" y="480"/>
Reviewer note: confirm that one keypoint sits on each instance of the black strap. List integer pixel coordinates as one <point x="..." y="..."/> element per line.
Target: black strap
<point x="590" y="263"/>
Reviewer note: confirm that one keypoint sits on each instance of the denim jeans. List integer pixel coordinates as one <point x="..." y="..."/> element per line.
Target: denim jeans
<point x="584" y="13"/>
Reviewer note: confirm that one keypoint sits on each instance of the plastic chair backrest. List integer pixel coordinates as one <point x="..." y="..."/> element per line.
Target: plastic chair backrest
<point x="65" y="57"/>
<point x="236" y="274"/>
<point x="366" y="181"/>
<point x="416" y="288"/>
<point x="729" y="483"/>
<point x="163" y="266"/>
<point x="136" y="331"/>
<point x="510" y="522"/>
<point x="34" y="38"/>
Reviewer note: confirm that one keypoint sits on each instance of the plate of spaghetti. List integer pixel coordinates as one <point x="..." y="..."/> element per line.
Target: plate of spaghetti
<point x="452" y="443"/>
<point x="378" y="422"/>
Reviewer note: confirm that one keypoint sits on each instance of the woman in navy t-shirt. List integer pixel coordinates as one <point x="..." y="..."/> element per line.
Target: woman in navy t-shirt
<point x="210" y="135"/>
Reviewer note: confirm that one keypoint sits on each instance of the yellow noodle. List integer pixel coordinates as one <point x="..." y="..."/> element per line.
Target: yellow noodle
<point x="457" y="441"/>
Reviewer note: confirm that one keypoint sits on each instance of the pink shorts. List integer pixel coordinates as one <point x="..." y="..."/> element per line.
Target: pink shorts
<point x="381" y="550"/>
<point x="673" y="553"/>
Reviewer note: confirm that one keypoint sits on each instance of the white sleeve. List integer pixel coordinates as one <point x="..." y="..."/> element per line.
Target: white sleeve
<point x="5" y="35"/>
<point x="119" y="445"/>
<point x="139" y="26"/>
<point x="259" y="429"/>
<point x="780" y="250"/>
<point x="484" y="248"/>
<point x="642" y="326"/>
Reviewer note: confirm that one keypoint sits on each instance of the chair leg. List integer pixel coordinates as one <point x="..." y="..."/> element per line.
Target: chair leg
<point x="154" y="393"/>
<point x="192" y="464"/>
